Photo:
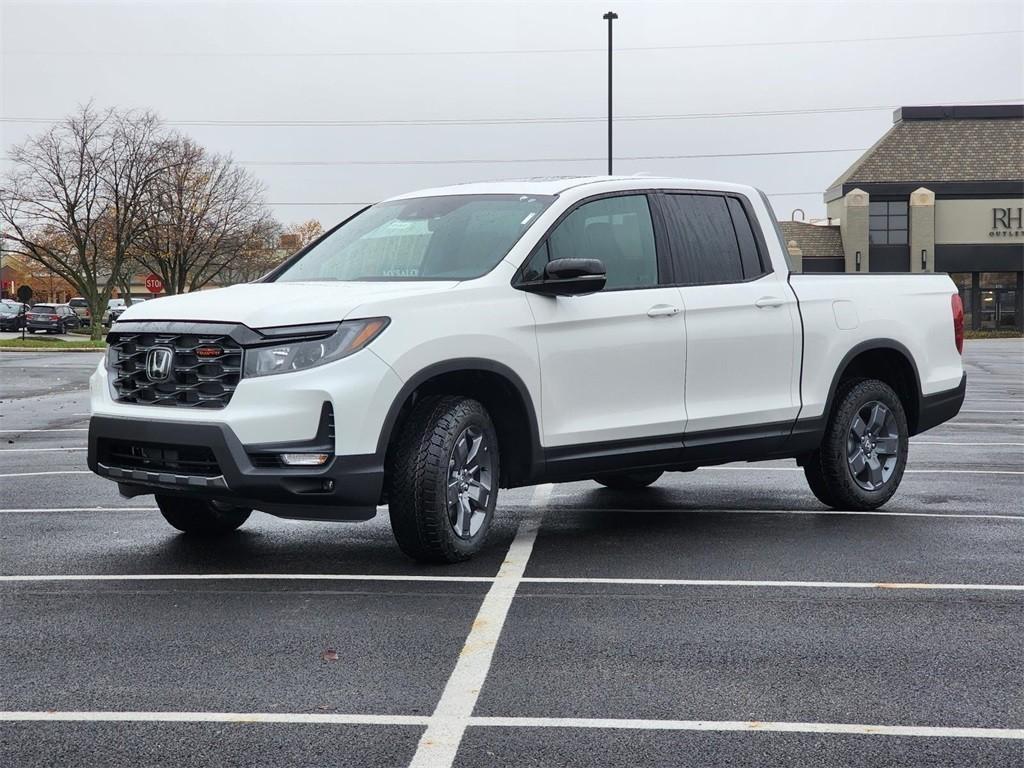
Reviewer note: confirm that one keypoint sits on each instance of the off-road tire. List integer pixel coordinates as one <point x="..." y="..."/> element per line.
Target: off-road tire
<point x="827" y="469"/>
<point x="629" y="481"/>
<point x="198" y="517"/>
<point x="418" y="477"/>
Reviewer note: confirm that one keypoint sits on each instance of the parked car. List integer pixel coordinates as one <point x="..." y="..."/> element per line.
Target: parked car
<point x="115" y="310"/>
<point x="51" y="318"/>
<point x="81" y="308"/>
<point x="112" y="304"/>
<point x="12" y="315"/>
<point x="443" y="344"/>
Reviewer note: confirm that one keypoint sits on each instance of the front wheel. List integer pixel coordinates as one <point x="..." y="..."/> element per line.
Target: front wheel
<point x="443" y="480"/>
<point x="863" y="454"/>
<point x="200" y="517"/>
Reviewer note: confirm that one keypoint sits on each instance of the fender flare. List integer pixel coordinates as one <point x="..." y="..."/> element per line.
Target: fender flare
<point x="535" y="459"/>
<point x="870" y="345"/>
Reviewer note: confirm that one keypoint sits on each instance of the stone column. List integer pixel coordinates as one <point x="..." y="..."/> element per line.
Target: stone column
<point x="922" y="230"/>
<point x="853" y="226"/>
<point x="796" y="256"/>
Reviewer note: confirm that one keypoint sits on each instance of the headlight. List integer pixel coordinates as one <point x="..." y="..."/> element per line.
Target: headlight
<point x="351" y="336"/>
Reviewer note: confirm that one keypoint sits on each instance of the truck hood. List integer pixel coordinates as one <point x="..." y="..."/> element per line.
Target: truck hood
<point x="264" y="305"/>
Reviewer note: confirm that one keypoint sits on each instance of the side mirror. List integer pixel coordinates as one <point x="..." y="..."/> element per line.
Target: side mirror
<point x="569" y="277"/>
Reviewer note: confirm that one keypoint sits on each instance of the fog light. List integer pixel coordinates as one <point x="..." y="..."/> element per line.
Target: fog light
<point x="304" y="459"/>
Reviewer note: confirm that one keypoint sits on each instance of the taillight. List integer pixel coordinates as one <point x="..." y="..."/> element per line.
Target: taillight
<point x="55" y="317"/>
<point x="958" y="322"/>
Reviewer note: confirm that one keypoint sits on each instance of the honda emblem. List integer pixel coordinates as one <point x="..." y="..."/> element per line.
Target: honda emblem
<point x="158" y="363"/>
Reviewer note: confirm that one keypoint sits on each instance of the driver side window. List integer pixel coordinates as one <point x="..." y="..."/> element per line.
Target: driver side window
<point x="616" y="230"/>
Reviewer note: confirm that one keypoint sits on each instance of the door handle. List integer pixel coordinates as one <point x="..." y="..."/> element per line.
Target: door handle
<point x="663" y="310"/>
<point x="767" y="302"/>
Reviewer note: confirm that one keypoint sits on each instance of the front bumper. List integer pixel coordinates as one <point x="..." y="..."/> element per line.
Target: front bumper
<point x="345" y="488"/>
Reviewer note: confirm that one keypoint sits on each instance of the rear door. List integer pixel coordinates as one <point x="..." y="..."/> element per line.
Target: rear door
<point x="742" y="326"/>
<point x="612" y="362"/>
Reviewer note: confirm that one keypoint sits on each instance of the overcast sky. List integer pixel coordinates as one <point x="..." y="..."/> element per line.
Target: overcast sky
<point x="403" y="62"/>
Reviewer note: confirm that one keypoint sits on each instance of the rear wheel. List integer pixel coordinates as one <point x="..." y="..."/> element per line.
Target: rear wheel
<point x="863" y="454"/>
<point x="443" y="480"/>
<point x="629" y="481"/>
<point x="200" y="517"/>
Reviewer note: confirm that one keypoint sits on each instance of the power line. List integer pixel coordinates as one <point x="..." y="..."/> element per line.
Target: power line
<point x="508" y="52"/>
<point x="518" y="120"/>
<point x="487" y="161"/>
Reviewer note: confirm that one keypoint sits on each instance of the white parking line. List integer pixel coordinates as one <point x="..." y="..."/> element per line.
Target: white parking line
<point x="784" y="584"/>
<point x="82" y="509"/>
<point x="241" y="577"/>
<point x="440" y="742"/>
<point x="906" y="472"/>
<point x="214" y="717"/>
<point x="935" y="732"/>
<point x="978" y="410"/>
<point x="959" y="444"/>
<point x="56" y="472"/>
<point x="925" y="731"/>
<point x="977" y="424"/>
<point x="844" y="512"/>
<point x="39" y="450"/>
<point x="869" y="513"/>
<point x="62" y="429"/>
<point x="478" y="640"/>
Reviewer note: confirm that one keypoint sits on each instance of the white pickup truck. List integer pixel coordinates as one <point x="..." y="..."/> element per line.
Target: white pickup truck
<point x="441" y="345"/>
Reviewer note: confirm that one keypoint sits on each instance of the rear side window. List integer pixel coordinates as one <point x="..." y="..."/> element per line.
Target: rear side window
<point x="704" y="245"/>
<point x="616" y="230"/>
<point x="712" y="240"/>
<point x="750" y="258"/>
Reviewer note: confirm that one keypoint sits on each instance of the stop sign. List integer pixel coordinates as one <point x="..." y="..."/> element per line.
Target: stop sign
<point x="154" y="284"/>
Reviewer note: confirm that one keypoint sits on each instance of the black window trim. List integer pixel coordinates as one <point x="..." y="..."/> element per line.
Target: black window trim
<point x="755" y="227"/>
<point x="888" y="218"/>
<point x="662" y="256"/>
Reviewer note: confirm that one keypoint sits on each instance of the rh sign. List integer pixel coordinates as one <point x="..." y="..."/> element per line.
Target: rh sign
<point x="154" y="284"/>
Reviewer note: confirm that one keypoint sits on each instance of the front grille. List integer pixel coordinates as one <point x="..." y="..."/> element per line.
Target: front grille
<point x="192" y="381"/>
<point x="158" y="457"/>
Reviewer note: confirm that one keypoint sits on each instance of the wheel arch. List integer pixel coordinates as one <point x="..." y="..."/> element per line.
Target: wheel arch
<point x="886" y="360"/>
<point x="501" y="391"/>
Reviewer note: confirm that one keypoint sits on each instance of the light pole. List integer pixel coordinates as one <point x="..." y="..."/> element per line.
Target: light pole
<point x="610" y="16"/>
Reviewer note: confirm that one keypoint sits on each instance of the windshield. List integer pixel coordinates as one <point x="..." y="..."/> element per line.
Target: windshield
<point x="452" y="237"/>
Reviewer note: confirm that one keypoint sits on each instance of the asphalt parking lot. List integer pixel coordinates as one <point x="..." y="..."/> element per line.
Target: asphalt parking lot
<point x="722" y="617"/>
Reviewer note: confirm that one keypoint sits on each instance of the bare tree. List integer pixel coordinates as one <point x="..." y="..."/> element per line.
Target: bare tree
<point x="72" y="200"/>
<point x="297" y="235"/>
<point x="206" y="214"/>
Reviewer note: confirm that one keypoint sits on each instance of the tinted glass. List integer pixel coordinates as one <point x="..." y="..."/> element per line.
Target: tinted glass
<point x="616" y="230"/>
<point x="704" y="246"/>
<point x="450" y="237"/>
<point x="749" y="255"/>
<point x="898" y="208"/>
<point x="45" y="308"/>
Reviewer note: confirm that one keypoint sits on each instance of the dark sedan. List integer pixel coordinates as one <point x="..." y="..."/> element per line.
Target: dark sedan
<point x="12" y="315"/>
<point x="51" y="318"/>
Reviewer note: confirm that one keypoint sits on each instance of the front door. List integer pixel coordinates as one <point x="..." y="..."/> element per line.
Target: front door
<point x="612" y="362"/>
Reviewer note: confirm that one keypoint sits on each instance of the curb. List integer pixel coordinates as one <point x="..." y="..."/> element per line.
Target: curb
<point x="98" y="350"/>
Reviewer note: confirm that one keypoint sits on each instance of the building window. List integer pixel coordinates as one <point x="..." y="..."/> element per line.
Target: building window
<point x="963" y="286"/>
<point x="888" y="223"/>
